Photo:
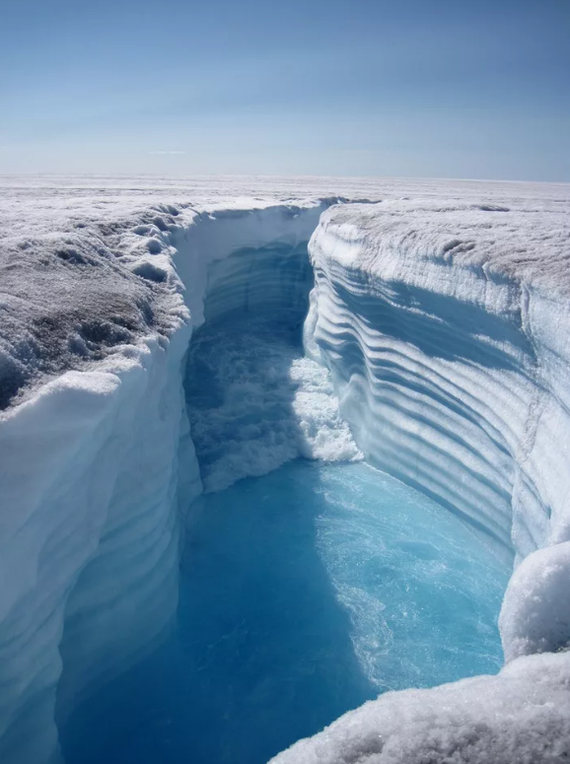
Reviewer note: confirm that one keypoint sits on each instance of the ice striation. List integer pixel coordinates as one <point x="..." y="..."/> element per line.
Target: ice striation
<point x="442" y="318"/>
<point x="443" y="326"/>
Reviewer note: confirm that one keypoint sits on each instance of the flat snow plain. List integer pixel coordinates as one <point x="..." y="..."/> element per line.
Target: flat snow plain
<point x="443" y="316"/>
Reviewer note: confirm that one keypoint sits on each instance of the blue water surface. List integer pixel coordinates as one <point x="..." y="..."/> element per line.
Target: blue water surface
<point x="304" y="593"/>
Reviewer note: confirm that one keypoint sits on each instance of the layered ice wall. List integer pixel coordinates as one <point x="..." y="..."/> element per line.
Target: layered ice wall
<point x="444" y="327"/>
<point x="95" y="452"/>
<point x="89" y="542"/>
<point x="90" y="356"/>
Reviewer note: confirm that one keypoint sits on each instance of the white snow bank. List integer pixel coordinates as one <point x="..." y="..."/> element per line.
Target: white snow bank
<point x="522" y="715"/>
<point x="535" y="617"/>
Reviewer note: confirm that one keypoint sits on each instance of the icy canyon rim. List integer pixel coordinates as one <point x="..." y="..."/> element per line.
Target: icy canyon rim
<point x="443" y="320"/>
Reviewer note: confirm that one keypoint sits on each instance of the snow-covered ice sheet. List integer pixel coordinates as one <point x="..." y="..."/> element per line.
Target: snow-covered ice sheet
<point x="442" y="314"/>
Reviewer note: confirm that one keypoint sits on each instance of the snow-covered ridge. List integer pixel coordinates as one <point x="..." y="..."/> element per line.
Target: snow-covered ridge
<point x="444" y="325"/>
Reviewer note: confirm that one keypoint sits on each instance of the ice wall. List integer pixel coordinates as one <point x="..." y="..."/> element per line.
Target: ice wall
<point x="95" y="461"/>
<point x="89" y="544"/>
<point x="457" y="362"/>
<point x="443" y="325"/>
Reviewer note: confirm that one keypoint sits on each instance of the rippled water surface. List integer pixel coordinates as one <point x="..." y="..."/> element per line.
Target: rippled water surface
<point x="304" y="593"/>
<point x="310" y="582"/>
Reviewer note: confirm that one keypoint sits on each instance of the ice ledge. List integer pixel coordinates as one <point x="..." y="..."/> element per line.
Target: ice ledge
<point x="522" y="239"/>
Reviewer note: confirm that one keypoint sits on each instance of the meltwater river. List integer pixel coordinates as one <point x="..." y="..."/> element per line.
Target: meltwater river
<point x="308" y="585"/>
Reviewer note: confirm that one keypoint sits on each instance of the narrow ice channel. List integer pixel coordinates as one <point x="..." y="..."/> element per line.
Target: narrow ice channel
<point x="310" y="581"/>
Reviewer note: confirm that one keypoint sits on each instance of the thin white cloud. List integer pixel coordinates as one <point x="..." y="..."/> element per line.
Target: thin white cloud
<point x="165" y="153"/>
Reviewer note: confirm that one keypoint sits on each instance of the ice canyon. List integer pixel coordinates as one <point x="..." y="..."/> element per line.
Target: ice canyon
<point x="284" y="471"/>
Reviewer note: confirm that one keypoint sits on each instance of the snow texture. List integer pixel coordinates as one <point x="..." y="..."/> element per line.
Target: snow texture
<point x="521" y="715"/>
<point x="443" y="321"/>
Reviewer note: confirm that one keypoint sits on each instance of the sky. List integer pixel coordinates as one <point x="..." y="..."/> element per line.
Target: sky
<point x="415" y="88"/>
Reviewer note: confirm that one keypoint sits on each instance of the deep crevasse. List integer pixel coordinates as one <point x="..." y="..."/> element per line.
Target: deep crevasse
<point x="454" y="384"/>
<point x="94" y="465"/>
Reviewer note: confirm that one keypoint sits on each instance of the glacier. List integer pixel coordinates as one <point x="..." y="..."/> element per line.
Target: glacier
<point x="440" y="314"/>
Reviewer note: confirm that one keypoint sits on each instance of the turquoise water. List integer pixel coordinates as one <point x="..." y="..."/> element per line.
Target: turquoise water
<point x="305" y="590"/>
<point x="330" y="585"/>
<point x="304" y="593"/>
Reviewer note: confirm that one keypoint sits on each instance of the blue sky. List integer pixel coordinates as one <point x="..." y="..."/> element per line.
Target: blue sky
<point x="440" y="88"/>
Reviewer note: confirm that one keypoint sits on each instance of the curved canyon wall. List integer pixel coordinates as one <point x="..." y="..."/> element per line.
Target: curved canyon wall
<point x="445" y="327"/>
<point x="450" y="359"/>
